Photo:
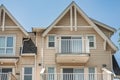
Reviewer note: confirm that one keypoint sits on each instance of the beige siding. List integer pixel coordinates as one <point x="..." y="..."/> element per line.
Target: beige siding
<point x="9" y="21"/>
<point x="97" y="56"/>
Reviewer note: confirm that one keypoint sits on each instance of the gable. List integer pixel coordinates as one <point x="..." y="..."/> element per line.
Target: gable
<point x="72" y="23"/>
<point x="7" y="21"/>
<point x="66" y="19"/>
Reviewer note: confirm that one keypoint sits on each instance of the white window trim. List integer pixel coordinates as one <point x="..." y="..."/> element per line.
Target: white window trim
<point x="22" y="75"/>
<point x="14" y="44"/>
<point x="54" y="41"/>
<point x="94" y="40"/>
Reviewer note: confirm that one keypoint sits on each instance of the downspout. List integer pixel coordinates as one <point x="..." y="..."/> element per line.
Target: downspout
<point x="42" y="52"/>
<point x="35" y="68"/>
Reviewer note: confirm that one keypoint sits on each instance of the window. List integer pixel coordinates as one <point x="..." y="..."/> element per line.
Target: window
<point x="51" y="41"/>
<point x="27" y="73"/>
<point x="91" y="41"/>
<point x="6" y="44"/>
<point x="51" y="72"/>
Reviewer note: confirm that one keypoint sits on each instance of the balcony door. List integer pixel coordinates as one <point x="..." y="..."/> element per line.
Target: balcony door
<point x="3" y="73"/>
<point x="73" y="74"/>
<point x="71" y="44"/>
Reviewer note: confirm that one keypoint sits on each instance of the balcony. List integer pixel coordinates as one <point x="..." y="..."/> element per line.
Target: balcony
<point x="7" y="76"/>
<point x="73" y="51"/>
<point x="76" y="76"/>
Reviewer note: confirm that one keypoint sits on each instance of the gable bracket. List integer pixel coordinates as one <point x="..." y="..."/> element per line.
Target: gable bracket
<point x="75" y="14"/>
<point x="3" y="21"/>
<point x="71" y="19"/>
<point x="104" y="44"/>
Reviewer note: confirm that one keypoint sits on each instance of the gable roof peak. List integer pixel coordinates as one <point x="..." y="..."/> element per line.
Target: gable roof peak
<point x="12" y="17"/>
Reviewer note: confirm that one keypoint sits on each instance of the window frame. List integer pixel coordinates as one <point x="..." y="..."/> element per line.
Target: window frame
<point x="14" y="45"/>
<point x="51" y="41"/>
<point x="94" y="38"/>
<point x="23" y="74"/>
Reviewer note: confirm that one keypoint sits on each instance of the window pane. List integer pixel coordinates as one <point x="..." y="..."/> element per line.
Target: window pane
<point x="9" y="50"/>
<point x="2" y="41"/>
<point x="6" y="70"/>
<point x="50" y="69"/>
<point x="51" y="44"/>
<point x="51" y="38"/>
<point x="9" y="41"/>
<point x="91" y="70"/>
<point x="27" y="77"/>
<point x="91" y="38"/>
<point x="27" y="70"/>
<point x="91" y="44"/>
<point x="2" y="50"/>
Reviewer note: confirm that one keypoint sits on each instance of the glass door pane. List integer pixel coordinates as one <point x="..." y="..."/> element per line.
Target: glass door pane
<point x="51" y="72"/>
<point x="65" y="45"/>
<point x="76" y="44"/>
<point x="78" y="74"/>
<point x="68" y="74"/>
<point x="91" y="73"/>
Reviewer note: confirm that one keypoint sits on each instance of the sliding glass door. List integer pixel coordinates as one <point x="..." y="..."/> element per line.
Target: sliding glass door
<point x="71" y="45"/>
<point x="73" y="74"/>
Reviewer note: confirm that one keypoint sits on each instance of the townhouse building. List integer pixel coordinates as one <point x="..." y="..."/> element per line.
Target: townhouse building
<point x="73" y="47"/>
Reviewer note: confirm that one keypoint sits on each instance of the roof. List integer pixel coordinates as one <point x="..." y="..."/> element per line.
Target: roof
<point x="91" y="22"/>
<point x="103" y="25"/>
<point x="18" y="24"/>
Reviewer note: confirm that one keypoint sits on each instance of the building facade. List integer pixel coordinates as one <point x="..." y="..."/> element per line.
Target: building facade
<point x="73" y="47"/>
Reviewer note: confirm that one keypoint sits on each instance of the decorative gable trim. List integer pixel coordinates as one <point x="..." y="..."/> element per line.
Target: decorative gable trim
<point x="2" y="7"/>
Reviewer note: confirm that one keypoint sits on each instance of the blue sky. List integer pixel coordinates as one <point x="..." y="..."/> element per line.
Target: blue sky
<point x="41" y="13"/>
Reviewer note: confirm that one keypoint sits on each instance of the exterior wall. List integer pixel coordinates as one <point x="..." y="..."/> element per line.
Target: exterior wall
<point x="98" y="56"/>
<point x="22" y="61"/>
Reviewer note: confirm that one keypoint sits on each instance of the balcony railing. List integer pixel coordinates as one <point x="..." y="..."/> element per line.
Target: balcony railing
<point x="73" y="46"/>
<point x="76" y="76"/>
<point x="7" y="76"/>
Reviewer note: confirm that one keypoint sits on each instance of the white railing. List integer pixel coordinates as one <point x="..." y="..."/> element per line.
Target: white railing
<point x="73" y="46"/>
<point x="4" y="76"/>
<point x="73" y="76"/>
<point x="7" y="76"/>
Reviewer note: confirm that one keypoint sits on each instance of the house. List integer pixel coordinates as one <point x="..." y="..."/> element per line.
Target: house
<point x="73" y="47"/>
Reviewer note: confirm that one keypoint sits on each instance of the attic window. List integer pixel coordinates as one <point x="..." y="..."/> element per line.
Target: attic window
<point x="91" y="39"/>
<point x="51" y="41"/>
